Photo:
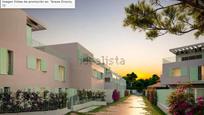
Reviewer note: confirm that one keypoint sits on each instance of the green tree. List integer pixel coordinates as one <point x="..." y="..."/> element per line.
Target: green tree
<point x="139" y="84"/>
<point x="157" y="18"/>
<point x="154" y="79"/>
<point x="130" y="79"/>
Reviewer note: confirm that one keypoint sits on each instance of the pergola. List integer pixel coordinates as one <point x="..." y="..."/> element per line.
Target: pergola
<point x="188" y="49"/>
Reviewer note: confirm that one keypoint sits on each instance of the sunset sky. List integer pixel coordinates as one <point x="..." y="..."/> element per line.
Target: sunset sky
<point x="97" y="25"/>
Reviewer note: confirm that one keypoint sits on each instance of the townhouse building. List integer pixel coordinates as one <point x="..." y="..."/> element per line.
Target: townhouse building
<point x="85" y="71"/>
<point x="114" y="82"/>
<point x="21" y="65"/>
<point x="187" y="67"/>
<point x="26" y="64"/>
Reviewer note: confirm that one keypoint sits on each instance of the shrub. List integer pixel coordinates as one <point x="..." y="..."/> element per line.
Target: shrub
<point x="116" y="95"/>
<point x="86" y="95"/>
<point x="127" y="93"/>
<point x="26" y="101"/>
<point x="152" y="96"/>
<point x="182" y="102"/>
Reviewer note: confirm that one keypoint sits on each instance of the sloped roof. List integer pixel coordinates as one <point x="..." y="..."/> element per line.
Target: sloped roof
<point x="157" y="85"/>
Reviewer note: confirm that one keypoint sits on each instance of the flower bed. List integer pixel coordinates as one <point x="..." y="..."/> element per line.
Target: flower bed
<point x="30" y="101"/>
<point x="27" y="101"/>
<point x="181" y="102"/>
<point x="87" y="95"/>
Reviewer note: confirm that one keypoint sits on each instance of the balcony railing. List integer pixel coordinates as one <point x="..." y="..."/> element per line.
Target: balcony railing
<point x="181" y="59"/>
<point x="36" y="43"/>
<point x="170" y="60"/>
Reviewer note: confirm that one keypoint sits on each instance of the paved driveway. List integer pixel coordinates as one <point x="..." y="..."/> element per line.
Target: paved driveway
<point x="134" y="105"/>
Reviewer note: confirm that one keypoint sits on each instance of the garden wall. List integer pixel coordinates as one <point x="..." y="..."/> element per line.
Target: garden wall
<point x="162" y="96"/>
<point x="88" y="104"/>
<point x="108" y="94"/>
<point x="53" y="112"/>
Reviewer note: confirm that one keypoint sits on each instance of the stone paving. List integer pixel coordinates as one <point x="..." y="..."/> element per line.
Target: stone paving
<point x="134" y="105"/>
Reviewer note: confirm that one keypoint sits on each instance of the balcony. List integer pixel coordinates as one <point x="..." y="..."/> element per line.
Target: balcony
<point x="175" y="71"/>
<point x="183" y="58"/>
<point x="169" y="60"/>
<point x="36" y="43"/>
<point x="174" y="80"/>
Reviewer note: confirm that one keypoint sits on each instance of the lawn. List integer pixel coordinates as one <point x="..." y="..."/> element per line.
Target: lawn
<point x="154" y="110"/>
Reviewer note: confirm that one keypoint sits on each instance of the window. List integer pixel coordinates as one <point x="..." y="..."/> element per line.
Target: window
<point x="191" y="57"/>
<point x="200" y="92"/>
<point x="107" y="71"/>
<point x="6" y="89"/>
<point x="201" y="72"/>
<point x="31" y="62"/>
<point x="43" y="65"/>
<point x="194" y="73"/>
<point x="60" y="73"/>
<point x="10" y="62"/>
<point x="36" y="63"/>
<point x="107" y="79"/>
<point x="29" y="35"/>
<point x="176" y="72"/>
<point x="60" y="90"/>
<point x="97" y="74"/>
<point x="6" y="61"/>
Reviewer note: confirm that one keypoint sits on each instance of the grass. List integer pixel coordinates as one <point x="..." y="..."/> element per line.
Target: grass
<point x="153" y="109"/>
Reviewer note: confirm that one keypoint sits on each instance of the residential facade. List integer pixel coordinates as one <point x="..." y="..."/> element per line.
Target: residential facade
<point x="187" y="67"/>
<point x="26" y="64"/>
<point x="21" y="65"/>
<point x="114" y="82"/>
<point x="87" y="73"/>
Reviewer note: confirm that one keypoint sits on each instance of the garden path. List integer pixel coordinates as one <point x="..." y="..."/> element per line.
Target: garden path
<point x="133" y="105"/>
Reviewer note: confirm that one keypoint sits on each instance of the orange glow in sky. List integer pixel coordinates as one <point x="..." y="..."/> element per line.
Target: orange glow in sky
<point x="142" y="73"/>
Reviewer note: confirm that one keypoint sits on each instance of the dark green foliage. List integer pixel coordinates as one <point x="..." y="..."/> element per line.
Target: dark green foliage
<point x="139" y="84"/>
<point x="157" y="19"/>
<point x="27" y="101"/>
<point x="88" y="95"/>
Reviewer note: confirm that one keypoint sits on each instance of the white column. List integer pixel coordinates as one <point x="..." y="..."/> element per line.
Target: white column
<point x="195" y="93"/>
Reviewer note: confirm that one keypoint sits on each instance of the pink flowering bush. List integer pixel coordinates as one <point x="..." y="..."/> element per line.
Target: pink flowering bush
<point x="116" y="95"/>
<point x="200" y="105"/>
<point x="183" y="103"/>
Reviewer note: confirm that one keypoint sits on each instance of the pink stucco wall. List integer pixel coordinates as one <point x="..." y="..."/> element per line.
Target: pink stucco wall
<point x="81" y="73"/>
<point x="13" y="37"/>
